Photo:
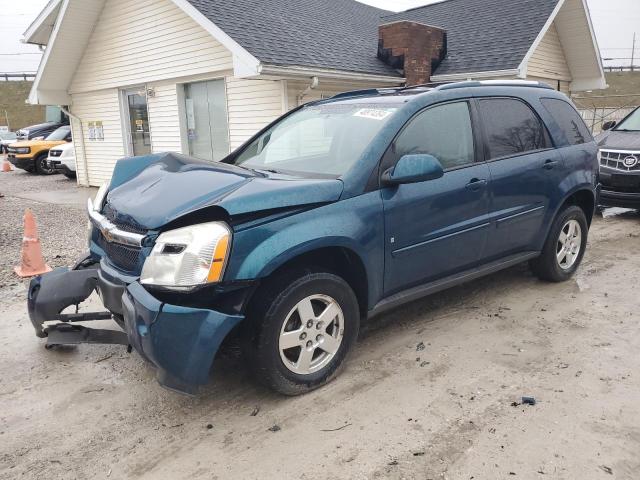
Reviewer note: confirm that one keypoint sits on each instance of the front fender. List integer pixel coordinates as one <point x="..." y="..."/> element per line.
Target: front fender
<point x="356" y="224"/>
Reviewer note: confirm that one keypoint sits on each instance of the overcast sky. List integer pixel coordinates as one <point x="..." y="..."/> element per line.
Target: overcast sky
<point x="614" y="22"/>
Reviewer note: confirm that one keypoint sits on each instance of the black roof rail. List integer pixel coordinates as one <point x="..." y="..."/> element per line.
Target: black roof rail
<point x="427" y="87"/>
<point x="383" y="91"/>
<point x="494" y="83"/>
<point x="358" y="93"/>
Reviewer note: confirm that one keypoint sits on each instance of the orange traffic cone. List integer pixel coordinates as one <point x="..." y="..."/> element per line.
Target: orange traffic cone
<point x="32" y="261"/>
<point x="6" y="166"/>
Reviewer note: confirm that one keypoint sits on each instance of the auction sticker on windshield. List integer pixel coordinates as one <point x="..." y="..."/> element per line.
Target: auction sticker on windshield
<point x="374" y="113"/>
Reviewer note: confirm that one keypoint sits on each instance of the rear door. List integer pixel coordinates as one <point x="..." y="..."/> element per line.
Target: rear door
<point x="525" y="173"/>
<point x="437" y="227"/>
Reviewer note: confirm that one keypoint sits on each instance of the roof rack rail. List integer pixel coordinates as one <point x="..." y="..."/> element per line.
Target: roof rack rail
<point x="494" y="83"/>
<point x="358" y="93"/>
<point x="383" y="90"/>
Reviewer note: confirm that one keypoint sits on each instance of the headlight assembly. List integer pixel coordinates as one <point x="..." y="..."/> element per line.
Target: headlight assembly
<point x="188" y="256"/>
<point x="22" y="150"/>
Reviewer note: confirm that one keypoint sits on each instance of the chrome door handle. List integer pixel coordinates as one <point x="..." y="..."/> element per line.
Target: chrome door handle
<point x="549" y="164"/>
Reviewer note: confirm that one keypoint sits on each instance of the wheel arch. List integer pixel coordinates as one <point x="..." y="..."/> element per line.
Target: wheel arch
<point x="337" y="259"/>
<point x="583" y="198"/>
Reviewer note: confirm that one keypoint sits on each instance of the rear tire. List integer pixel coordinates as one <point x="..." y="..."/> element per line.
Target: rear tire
<point x="41" y="165"/>
<point x="300" y="328"/>
<point x="564" y="247"/>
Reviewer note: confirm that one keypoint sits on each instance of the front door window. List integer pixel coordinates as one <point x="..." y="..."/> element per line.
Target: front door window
<point x="207" y="123"/>
<point x="138" y="122"/>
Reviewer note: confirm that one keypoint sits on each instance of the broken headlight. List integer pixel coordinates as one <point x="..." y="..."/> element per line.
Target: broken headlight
<point x="188" y="256"/>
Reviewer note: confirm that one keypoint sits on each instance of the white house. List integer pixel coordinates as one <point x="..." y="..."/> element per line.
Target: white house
<point x="201" y="76"/>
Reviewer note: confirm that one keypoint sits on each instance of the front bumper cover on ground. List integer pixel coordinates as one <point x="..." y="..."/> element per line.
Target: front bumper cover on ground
<point x="180" y="341"/>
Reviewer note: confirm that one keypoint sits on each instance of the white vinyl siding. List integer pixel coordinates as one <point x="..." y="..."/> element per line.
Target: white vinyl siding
<point x="548" y="60"/>
<point x="164" y="118"/>
<point x="101" y="156"/>
<point x="251" y="106"/>
<point x="145" y="41"/>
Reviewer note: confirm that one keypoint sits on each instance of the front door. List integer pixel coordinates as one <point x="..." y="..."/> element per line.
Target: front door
<point x="438" y="227"/>
<point x="137" y="121"/>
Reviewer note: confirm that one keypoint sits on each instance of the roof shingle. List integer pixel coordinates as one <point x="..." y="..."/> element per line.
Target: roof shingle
<point x="331" y="34"/>
<point x="482" y="35"/>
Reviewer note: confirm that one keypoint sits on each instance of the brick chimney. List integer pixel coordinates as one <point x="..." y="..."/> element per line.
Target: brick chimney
<point x="414" y="48"/>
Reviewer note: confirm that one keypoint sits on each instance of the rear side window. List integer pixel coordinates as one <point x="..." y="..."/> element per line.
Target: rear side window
<point x="568" y="120"/>
<point x="512" y="128"/>
<point x="443" y="131"/>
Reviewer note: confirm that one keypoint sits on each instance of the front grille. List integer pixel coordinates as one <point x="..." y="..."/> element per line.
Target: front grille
<point x="616" y="160"/>
<point x="122" y="256"/>
<point x="55" y="153"/>
<point x="123" y="224"/>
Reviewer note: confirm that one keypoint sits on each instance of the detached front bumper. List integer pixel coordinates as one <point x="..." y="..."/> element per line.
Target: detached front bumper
<point x="181" y="342"/>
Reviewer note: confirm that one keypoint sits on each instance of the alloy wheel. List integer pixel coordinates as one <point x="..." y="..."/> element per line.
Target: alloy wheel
<point x="311" y="334"/>
<point x="569" y="244"/>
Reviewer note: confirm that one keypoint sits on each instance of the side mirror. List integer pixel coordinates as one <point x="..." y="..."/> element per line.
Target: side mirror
<point x="609" y="125"/>
<point x="413" y="169"/>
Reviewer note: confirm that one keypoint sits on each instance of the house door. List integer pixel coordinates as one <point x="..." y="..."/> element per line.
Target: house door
<point x="207" y="122"/>
<point x="138" y="135"/>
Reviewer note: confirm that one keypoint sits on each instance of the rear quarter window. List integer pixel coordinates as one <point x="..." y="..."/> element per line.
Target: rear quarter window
<point x="569" y="121"/>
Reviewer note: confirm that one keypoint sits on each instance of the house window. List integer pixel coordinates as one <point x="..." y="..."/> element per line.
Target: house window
<point x="206" y="119"/>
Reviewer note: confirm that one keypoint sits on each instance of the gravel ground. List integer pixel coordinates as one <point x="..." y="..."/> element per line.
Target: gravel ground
<point x="433" y="390"/>
<point x="62" y="228"/>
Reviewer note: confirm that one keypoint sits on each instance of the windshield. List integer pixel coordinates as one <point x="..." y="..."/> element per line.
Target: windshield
<point x="318" y="140"/>
<point x="59" y="134"/>
<point x="631" y="123"/>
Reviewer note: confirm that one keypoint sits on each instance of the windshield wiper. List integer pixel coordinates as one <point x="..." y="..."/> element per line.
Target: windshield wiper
<point x="625" y="130"/>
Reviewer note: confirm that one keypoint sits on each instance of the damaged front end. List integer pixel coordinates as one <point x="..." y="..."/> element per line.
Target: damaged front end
<point x="51" y="294"/>
<point x="180" y="341"/>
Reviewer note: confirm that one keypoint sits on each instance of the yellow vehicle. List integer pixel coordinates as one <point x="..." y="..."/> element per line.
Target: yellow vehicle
<point x="31" y="155"/>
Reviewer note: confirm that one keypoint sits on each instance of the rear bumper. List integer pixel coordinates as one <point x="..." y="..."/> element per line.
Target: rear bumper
<point x="181" y="342"/>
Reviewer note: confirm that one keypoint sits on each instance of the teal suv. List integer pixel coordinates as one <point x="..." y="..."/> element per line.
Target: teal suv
<point x="338" y="211"/>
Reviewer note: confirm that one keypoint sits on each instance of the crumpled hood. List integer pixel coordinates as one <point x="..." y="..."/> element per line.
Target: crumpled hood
<point x="174" y="185"/>
<point x="619" y="140"/>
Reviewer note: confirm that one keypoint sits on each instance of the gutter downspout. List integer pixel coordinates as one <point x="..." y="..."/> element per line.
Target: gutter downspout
<point x="84" y="151"/>
<point x="312" y="86"/>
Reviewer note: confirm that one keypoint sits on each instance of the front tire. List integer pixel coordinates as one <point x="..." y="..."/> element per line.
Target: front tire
<point x="564" y="248"/>
<point x="301" y="327"/>
<point x="42" y="168"/>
